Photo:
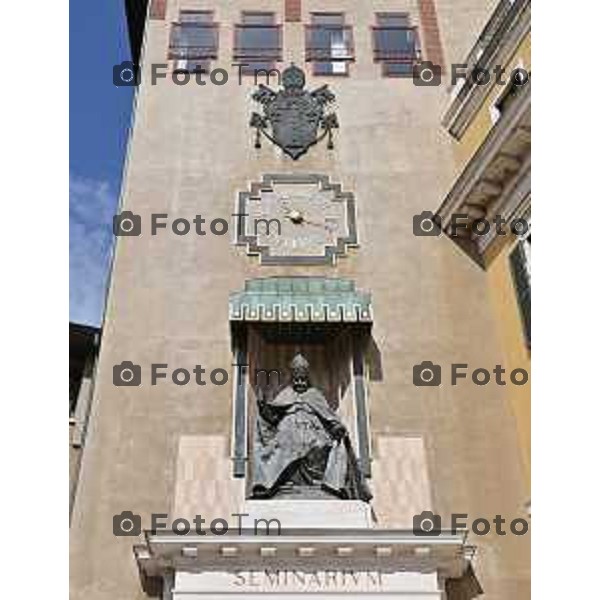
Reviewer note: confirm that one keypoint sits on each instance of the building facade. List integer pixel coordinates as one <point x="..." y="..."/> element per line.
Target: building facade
<point x="491" y="126"/>
<point x="346" y="277"/>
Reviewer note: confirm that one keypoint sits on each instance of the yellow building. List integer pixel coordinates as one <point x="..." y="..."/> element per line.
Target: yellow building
<point x="489" y="117"/>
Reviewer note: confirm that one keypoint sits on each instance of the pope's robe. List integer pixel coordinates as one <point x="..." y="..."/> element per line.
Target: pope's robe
<point x="301" y="443"/>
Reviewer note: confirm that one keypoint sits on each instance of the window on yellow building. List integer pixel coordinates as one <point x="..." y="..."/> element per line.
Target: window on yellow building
<point x="520" y="262"/>
<point x="506" y="99"/>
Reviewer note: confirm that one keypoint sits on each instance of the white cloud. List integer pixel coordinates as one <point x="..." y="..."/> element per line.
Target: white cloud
<point x="92" y="205"/>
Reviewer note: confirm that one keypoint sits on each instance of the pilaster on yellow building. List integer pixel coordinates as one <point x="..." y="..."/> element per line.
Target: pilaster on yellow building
<point x="491" y="126"/>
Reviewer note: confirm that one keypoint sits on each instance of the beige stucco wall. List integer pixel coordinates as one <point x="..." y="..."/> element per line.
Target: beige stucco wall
<point x="461" y="22"/>
<point x="191" y="152"/>
<point x="510" y="328"/>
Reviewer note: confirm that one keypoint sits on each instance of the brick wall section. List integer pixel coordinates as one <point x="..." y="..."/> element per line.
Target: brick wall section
<point x="293" y="10"/>
<point x="432" y="44"/>
<point x="158" y="9"/>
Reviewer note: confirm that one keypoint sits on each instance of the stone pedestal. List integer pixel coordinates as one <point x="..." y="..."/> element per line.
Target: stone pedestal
<point x="319" y="563"/>
<point x="311" y="514"/>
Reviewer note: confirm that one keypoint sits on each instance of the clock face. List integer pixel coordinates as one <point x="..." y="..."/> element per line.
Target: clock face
<point x="300" y="219"/>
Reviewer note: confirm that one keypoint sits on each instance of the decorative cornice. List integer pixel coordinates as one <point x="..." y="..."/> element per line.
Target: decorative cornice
<point x="300" y="299"/>
<point x="495" y="46"/>
<point x="495" y="182"/>
<point x="447" y="553"/>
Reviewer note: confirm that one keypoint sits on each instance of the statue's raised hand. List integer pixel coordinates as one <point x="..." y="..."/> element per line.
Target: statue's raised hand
<point x="339" y="432"/>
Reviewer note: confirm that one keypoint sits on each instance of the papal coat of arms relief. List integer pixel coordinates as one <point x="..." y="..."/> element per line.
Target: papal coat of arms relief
<point x="294" y="118"/>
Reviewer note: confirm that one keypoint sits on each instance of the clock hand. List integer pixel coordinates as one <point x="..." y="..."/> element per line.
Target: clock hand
<point x="296" y="217"/>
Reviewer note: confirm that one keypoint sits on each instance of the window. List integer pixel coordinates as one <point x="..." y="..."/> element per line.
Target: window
<point x="257" y="42"/>
<point x="194" y="40"/>
<point x="329" y="45"/>
<point x="507" y="98"/>
<point x="520" y="262"/>
<point x="395" y="44"/>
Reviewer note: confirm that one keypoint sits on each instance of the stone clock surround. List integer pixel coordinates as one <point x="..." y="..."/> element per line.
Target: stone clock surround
<point x="317" y="253"/>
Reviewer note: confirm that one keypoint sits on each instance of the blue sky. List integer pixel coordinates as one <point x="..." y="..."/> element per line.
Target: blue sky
<point x="99" y="121"/>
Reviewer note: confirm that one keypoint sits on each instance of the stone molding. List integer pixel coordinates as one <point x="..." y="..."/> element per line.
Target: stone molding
<point x="492" y="49"/>
<point x="496" y="181"/>
<point x="300" y="299"/>
<point x="397" y="550"/>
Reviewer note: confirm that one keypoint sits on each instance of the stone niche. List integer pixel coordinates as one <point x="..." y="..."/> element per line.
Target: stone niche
<point x="328" y="321"/>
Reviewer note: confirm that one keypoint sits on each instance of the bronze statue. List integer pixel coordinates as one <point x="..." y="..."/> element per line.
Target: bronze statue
<point x="301" y="447"/>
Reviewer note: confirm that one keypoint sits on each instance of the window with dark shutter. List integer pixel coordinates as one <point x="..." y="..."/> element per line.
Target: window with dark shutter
<point x="508" y="97"/>
<point x="395" y="44"/>
<point x="329" y="44"/>
<point x="520" y="262"/>
<point x="194" y="40"/>
<point x="257" y="42"/>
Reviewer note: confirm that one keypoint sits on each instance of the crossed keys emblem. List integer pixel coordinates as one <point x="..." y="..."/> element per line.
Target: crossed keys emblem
<point x="294" y="118"/>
